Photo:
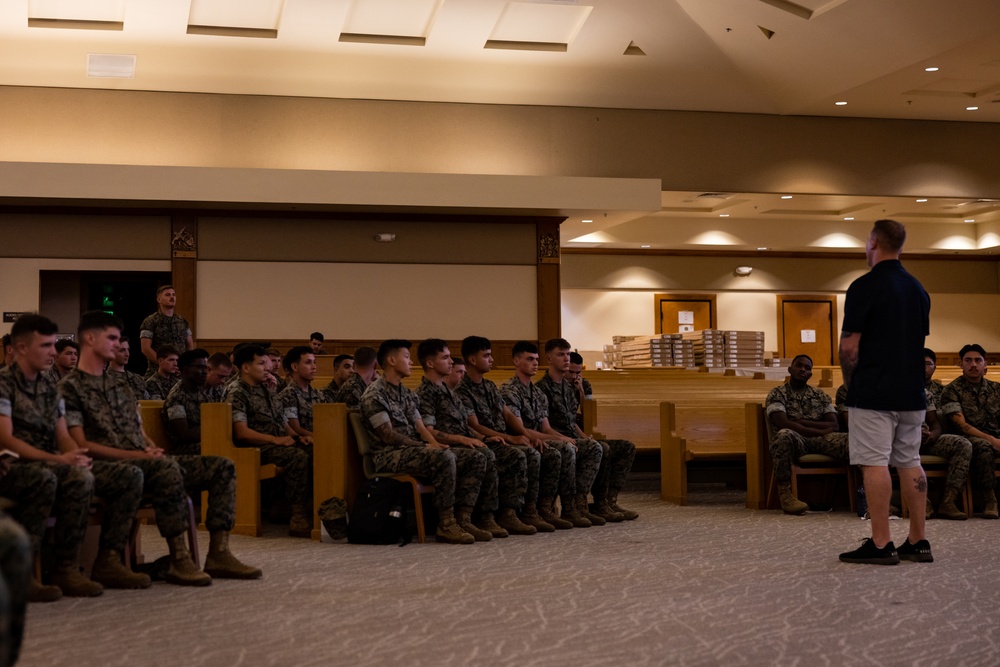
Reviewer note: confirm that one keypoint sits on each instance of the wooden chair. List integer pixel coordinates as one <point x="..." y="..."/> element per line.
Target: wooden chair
<point x="936" y="467"/>
<point x="217" y="440"/>
<point x="151" y="413"/>
<point x="811" y="464"/>
<point x="419" y="488"/>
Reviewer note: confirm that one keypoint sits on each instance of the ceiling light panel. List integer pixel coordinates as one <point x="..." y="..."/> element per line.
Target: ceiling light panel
<point x="536" y="23"/>
<point x="74" y="10"/>
<point x="111" y="66"/>
<point x="391" y="18"/>
<point x="220" y="16"/>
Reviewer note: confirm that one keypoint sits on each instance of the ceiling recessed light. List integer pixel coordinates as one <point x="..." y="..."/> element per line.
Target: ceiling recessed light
<point x="970" y="219"/>
<point x="645" y="246"/>
<point x="931" y="69"/>
<point x="848" y="218"/>
<point x="763" y="248"/>
<point x="921" y="201"/>
<point x="841" y="104"/>
<point x="971" y="108"/>
<point x="786" y="196"/>
<point x="586" y="221"/>
<point x="723" y="215"/>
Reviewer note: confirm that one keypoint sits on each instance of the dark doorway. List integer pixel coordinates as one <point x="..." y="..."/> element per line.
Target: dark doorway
<point x="131" y="295"/>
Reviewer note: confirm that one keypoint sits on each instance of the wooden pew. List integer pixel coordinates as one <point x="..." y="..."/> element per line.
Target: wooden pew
<point x="698" y="436"/>
<point x="337" y="467"/>
<point x="217" y="440"/>
<point x="759" y="464"/>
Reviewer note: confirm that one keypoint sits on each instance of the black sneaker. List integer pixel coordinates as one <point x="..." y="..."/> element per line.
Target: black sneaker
<point x="870" y="554"/>
<point x="918" y="553"/>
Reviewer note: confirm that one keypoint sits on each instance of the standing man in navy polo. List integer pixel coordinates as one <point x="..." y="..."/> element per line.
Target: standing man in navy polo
<point x="886" y="317"/>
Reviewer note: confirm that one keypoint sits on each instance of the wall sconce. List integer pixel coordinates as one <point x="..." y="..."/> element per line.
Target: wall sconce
<point x="743" y="271"/>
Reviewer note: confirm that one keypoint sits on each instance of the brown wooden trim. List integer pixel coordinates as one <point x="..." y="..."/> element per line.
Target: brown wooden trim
<point x="819" y="298"/>
<point x="184" y="269"/>
<point x="956" y="256"/>
<point x="713" y="309"/>
<point x="549" y="291"/>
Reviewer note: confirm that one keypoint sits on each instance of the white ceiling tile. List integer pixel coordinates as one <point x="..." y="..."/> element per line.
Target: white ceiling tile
<point x="76" y="10"/>
<point x="540" y="23"/>
<point x="398" y="18"/>
<point x="252" y="14"/>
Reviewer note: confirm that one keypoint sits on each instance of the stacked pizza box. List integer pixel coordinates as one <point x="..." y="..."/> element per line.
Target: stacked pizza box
<point x="744" y="348"/>
<point x="647" y="351"/>
<point x="613" y="352"/>
<point x="708" y="346"/>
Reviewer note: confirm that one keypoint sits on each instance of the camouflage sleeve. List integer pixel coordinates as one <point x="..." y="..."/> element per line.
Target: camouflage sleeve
<point x="841" y="400"/>
<point x="146" y="328"/>
<point x="774" y="402"/>
<point x="72" y="403"/>
<point x="510" y="399"/>
<point x="289" y="404"/>
<point x="827" y="402"/>
<point x="174" y="408"/>
<point x="949" y="402"/>
<point x="239" y="401"/>
<point x="931" y="406"/>
<point x="415" y="411"/>
<point x="543" y="406"/>
<point x="588" y="391"/>
<point x="425" y="404"/>
<point x="374" y="410"/>
<point x="6" y="396"/>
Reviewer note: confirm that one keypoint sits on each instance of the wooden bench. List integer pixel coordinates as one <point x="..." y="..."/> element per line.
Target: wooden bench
<point x="338" y="471"/>
<point x="217" y="440"/>
<point x="705" y="436"/>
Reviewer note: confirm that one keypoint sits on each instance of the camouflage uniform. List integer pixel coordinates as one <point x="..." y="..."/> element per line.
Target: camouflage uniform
<point x="485" y="402"/>
<point x="163" y="330"/>
<point x="107" y="411"/>
<point x="215" y="394"/>
<point x="563" y="402"/>
<point x="158" y="386"/>
<point x="350" y="392"/>
<point x="955" y="448"/>
<point x="42" y="488"/>
<point x="384" y="403"/>
<point x="136" y="383"/>
<point x="840" y="403"/>
<point x="298" y="404"/>
<point x="441" y="409"/>
<point x="15" y="573"/>
<point x="261" y="411"/>
<point x="588" y="391"/>
<point x="980" y="405"/>
<point x="934" y="390"/>
<point x="787" y="445"/>
<point x="528" y="403"/>
<point x="184" y="403"/>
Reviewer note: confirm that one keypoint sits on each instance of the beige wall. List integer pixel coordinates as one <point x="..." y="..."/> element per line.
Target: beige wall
<point x="608" y="295"/>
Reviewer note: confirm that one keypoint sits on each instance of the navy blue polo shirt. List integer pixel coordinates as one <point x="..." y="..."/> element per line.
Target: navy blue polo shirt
<point x="891" y="311"/>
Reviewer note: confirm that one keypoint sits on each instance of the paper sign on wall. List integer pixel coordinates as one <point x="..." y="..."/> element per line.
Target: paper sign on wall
<point x="685" y="317"/>
<point x="808" y="335"/>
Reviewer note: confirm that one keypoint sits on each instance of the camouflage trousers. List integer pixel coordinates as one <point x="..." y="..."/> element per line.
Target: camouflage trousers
<point x="958" y="451"/>
<point x="512" y="475"/>
<point x="15" y="573"/>
<point x="550" y="473"/>
<point x="581" y="461"/>
<point x="217" y="475"/>
<point x="616" y="463"/>
<point x="983" y="465"/>
<point x="43" y="489"/>
<point x="476" y="478"/>
<point x="119" y="486"/>
<point x="297" y="463"/>
<point x="441" y="468"/>
<point x="163" y="485"/>
<point x="788" y="446"/>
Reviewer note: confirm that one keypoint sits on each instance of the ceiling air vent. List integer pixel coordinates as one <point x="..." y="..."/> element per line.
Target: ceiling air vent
<point x="714" y="195"/>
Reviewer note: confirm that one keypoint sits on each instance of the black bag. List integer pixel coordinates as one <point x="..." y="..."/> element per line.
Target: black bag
<point x="379" y="514"/>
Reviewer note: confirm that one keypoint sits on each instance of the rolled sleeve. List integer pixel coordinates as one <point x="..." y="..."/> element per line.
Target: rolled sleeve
<point x="951" y="408"/>
<point x="176" y="412"/>
<point x="378" y="419"/>
<point x="146" y="333"/>
<point x="774" y="407"/>
<point x="6" y="409"/>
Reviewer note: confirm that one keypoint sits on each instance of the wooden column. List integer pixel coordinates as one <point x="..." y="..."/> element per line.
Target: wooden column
<point x="549" y="296"/>
<point x="184" y="267"/>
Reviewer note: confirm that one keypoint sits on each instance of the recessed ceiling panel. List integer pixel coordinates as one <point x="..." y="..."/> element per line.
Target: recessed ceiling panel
<point x="75" y="10"/>
<point x="247" y="14"/>
<point x="391" y="18"/>
<point x="526" y="23"/>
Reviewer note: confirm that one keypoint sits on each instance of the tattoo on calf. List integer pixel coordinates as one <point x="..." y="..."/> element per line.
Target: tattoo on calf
<point x="922" y="484"/>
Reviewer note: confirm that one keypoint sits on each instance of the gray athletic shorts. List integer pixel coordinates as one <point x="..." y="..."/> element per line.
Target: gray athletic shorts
<point x="880" y="438"/>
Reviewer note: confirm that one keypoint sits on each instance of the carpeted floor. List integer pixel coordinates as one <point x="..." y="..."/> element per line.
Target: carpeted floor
<point x="707" y="584"/>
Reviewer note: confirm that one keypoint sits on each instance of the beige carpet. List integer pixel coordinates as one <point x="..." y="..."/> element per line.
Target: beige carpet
<point x="707" y="584"/>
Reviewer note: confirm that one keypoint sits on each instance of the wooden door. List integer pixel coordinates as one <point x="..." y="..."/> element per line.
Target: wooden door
<point x="807" y="325"/>
<point x="672" y="308"/>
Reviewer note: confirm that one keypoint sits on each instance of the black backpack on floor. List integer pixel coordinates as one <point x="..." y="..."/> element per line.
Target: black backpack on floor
<point x="379" y="514"/>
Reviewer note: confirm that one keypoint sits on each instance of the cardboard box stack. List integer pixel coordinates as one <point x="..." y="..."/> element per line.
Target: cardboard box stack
<point x="613" y="352"/>
<point x="647" y="351"/>
<point x="708" y="347"/>
<point x="744" y="348"/>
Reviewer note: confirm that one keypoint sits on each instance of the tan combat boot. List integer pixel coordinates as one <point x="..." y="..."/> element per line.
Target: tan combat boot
<point x="547" y="512"/>
<point x="300" y="525"/>
<point x="464" y="519"/>
<point x="449" y="531"/>
<point x="584" y="509"/>
<point x="222" y="564"/>
<point x="531" y="517"/>
<point x="603" y="509"/>
<point x="990" y="506"/>
<point x="73" y="584"/>
<point x="507" y="519"/>
<point x="109" y="571"/>
<point x="183" y="571"/>
<point x="789" y="503"/>
<point x="39" y="592"/>
<point x="629" y="515"/>
<point x="948" y="510"/>
<point x="488" y="523"/>
<point x="571" y="513"/>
